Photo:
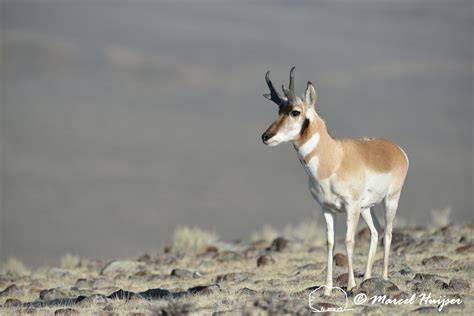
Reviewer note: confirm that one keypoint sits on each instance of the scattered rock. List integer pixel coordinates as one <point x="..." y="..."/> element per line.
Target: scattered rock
<point x="154" y="294"/>
<point x="246" y="291"/>
<point x="209" y="251"/>
<point x="377" y="286"/>
<point x="11" y="302"/>
<point x="10" y="291"/>
<point x="342" y="279"/>
<point x="58" y="273"/>
<point x="123" y="267"/>
<point x="459" y="284"/>
<point x="437" y="262"/>
<point x="404" y="269"/>
<point x="439" y="284"/>
<point x="50" y="294"/>
<point x="144" y="258"/>
<point x="83" y="283"/>
<point x="204" y="289"/>
<point x="81" y="294"/>
<point x="232" y="277"/>
<point x="66" y="312"/>
<point x="212" y="249"/>
<point x="423" y="282"/>
<point x="265" y="260"/>
<point x="401" y="240"/>
<point x="279" y="244"/>
<point x="121" y="295"/>
<point x="95" y="299"/>
<point x="465" y="249"/>
<point x="182" y="273"/>
<point x="340" y="260"/>
<point x="426" y="277"/>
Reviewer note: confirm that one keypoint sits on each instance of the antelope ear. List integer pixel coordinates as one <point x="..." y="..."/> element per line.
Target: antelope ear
<point x="310" y="96"/>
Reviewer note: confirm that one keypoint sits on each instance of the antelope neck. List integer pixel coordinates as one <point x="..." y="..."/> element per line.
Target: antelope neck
<point x="314" y="140"/>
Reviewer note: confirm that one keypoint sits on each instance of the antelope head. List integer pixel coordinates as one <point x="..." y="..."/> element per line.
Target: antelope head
<point x="294" y="113"/>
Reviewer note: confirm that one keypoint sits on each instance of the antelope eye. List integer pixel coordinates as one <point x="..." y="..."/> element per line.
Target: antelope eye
<point x="295" y="113"/>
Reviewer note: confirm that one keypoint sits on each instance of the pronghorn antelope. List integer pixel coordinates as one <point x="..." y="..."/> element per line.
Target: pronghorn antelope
<point x="345" y="175"/>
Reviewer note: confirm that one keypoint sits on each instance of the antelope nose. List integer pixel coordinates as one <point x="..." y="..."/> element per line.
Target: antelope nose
<point x="265" y="137"/>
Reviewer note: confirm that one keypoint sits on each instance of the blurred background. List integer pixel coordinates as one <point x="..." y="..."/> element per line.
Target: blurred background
<point x="121" y="120"/>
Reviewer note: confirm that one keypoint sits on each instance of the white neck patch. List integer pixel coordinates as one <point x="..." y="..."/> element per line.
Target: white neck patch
<point x="309" y="145"/>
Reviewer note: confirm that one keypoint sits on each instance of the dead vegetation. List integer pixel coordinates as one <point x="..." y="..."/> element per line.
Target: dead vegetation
<point x="274" y="273"/>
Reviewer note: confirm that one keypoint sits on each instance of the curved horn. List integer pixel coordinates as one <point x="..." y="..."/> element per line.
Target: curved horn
<point x="292" y="80"/>
<point x="273" y="95"/>
<point x="290" y="93"/>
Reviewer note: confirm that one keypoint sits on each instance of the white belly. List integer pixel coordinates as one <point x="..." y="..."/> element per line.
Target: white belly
<point x="331" y="193"/>
<point x="376" y="188"/>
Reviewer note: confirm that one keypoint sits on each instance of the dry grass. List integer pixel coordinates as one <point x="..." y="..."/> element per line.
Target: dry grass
<point x="15" y="266"/>
<point x="192" y="239"/>
<point x="283" y="280"/>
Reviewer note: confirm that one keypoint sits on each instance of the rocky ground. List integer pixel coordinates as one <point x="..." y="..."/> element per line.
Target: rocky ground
<point x="267" y="276"/>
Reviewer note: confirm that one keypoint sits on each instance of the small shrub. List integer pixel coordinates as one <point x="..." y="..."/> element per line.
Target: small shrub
<point x="15" y="266"/>
<point x="192" y="239"/>
<point x="69" y="261"/>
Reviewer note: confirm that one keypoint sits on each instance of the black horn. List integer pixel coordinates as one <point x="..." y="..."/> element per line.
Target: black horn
<point x="273" y="95"/>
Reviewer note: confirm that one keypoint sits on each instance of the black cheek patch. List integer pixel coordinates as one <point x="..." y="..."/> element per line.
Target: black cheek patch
<point x="304" y="127"/>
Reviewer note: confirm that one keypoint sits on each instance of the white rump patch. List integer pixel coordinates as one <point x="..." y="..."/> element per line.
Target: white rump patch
<point x="406" y="157"/>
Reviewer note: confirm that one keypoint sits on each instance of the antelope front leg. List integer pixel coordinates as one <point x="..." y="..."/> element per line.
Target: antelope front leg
<point x="329" y="216"/>
<point x="352" y="220"/>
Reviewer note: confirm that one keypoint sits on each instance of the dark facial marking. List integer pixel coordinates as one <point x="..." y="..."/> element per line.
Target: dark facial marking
<point x="286" y="109"/>
<point x="304" y="127"/>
